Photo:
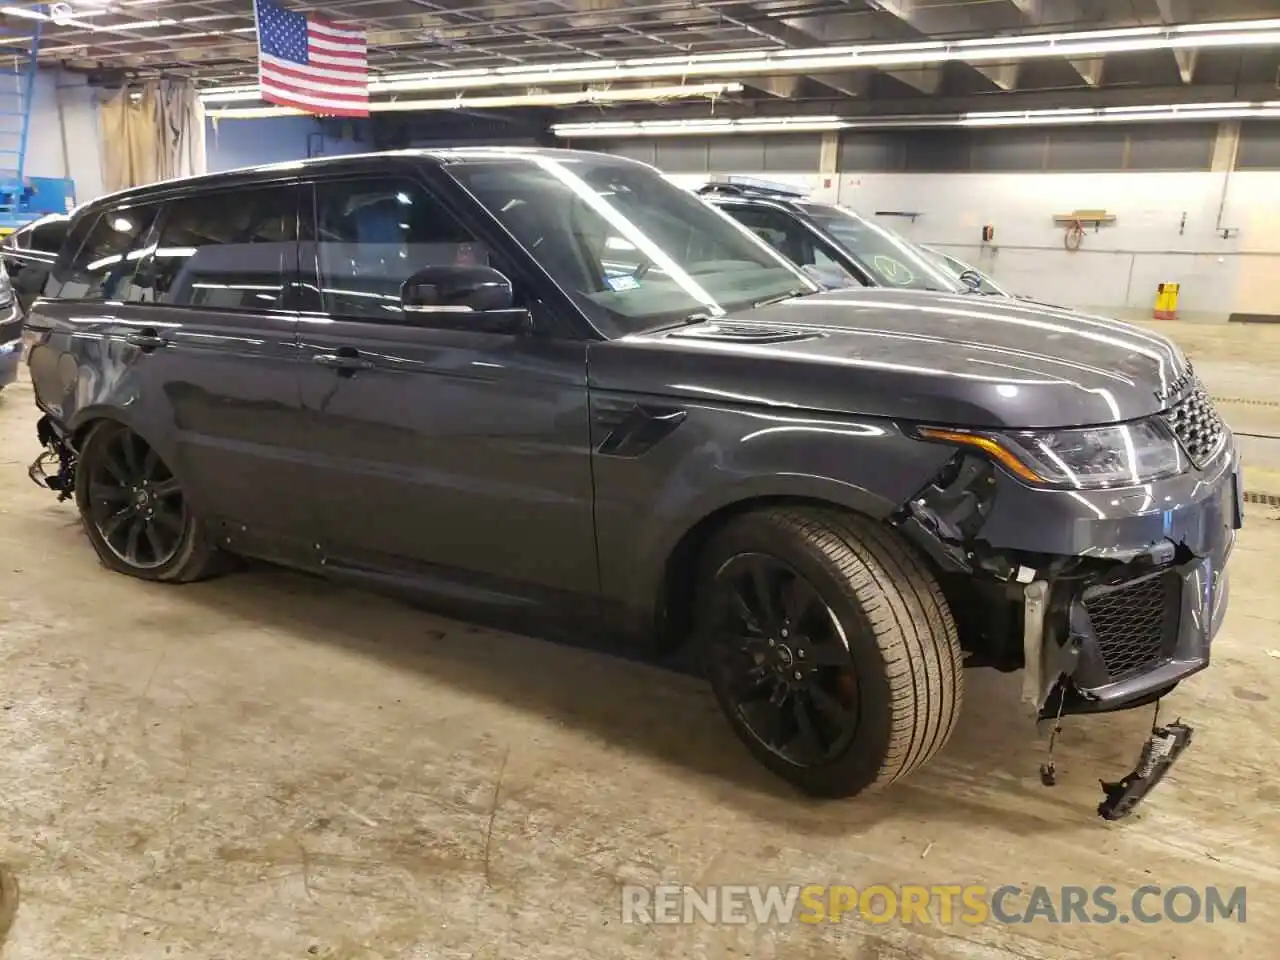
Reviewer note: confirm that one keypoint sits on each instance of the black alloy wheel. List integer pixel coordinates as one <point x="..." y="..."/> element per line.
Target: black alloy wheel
<point x="783" y="659"/>
<point x="135" y="502"/>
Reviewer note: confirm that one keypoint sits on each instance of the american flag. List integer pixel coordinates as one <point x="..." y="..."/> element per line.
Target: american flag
<point x="310" y="64"/>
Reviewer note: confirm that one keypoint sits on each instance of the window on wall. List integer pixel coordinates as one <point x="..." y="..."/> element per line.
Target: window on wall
<point x="372" y="235"/>
<point x="105" y="264"/>
<point x="224" y="251"/>
<point x="1095" y="147"/>
<point x="1259" y="146"/>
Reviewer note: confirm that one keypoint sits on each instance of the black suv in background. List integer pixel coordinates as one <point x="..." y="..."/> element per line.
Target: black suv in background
<point x="10" y="331"/>
<point x="838" y="248"/>
<point x="29" y="251"/>
<point x="554" y="383"/>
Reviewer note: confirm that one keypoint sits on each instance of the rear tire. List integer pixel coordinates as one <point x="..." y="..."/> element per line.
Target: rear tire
<point x="135" y="512"/>
<point x="830" y="648"/>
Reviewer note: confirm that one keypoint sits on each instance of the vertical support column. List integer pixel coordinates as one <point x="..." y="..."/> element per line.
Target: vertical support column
<point x="1247" y="229"/>
<point x="1226" y="147"/>
<point x="828" y="168"/>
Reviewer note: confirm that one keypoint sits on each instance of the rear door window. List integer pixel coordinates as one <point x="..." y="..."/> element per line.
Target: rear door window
<point x="225" y="251"/>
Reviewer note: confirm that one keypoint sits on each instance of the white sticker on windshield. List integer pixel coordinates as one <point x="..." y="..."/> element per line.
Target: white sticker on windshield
<point x="622" y="283"/>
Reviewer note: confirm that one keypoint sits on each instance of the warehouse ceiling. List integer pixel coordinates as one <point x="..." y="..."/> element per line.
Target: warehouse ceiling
<point x="212" y="42"/>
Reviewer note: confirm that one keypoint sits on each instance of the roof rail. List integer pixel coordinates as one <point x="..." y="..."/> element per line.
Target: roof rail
<point x="751" y="187"/>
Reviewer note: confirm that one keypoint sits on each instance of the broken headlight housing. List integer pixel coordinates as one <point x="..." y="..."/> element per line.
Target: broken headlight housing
<point x="1084" y="458"/>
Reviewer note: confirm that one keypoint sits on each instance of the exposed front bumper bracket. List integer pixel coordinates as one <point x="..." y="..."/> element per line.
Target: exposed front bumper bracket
<point x="1162" y="748"/>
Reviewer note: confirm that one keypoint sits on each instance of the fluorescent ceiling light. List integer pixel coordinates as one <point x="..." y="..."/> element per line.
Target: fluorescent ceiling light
<point x="1077" y="44"/>
<point x="1169" y="112"/>
<point x="33" y="13"/>
<point x="1238" y="110"/>
<point x="515" y="100"/>
<point x="669" y="128"/>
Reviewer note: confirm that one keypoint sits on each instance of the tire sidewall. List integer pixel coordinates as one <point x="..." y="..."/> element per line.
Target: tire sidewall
<point x="95" y="443"/>
<point x="859" y="764"/>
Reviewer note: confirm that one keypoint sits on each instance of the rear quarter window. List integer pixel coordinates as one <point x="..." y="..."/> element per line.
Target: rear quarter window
<point x="106" y="255"/>
<point x="47" y="238"/>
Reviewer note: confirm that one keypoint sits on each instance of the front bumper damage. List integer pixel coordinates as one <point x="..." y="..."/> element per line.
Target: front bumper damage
<point x="1105" y="599"/>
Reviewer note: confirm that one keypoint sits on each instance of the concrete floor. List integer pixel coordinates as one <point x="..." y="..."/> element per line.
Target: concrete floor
<point x="265" y="767"/>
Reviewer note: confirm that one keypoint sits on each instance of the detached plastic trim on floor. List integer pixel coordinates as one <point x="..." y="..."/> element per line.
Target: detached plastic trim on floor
<point x="1266" y="499"/>
<point x="8" y="901"/>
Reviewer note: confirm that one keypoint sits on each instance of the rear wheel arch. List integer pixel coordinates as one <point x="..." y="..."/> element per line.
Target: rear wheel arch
<point x="80" y="433"/>
<point x="88" y="419"/>
<point x="126" y="491"/>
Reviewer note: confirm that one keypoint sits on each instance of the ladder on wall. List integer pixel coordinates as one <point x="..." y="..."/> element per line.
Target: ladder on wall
<point x="17" y="90"/>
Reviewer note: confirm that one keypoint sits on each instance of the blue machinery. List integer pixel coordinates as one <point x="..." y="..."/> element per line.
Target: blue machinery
<point x="23" y="198"/>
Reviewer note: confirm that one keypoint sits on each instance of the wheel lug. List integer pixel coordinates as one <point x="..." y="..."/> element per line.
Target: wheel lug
<point x="800" y="654"/>
<point x="772" y="642"/>
<point x="798" y="674"/>
<point x="784" y="633"/>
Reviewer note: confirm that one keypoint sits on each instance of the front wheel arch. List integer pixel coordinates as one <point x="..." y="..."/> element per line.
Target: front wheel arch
<point x="674" y="612"/>
<point x="883" y="675"/>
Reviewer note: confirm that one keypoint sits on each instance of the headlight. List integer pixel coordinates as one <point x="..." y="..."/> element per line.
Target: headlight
<point x="1124" y="454"/>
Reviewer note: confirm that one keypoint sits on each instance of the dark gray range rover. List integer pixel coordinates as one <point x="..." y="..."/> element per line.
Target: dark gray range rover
<point x="554" y="384"/>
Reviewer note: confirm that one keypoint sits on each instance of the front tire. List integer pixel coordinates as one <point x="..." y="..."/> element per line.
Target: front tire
<point x="135" y="511"/>
<point x="830" y="648"/>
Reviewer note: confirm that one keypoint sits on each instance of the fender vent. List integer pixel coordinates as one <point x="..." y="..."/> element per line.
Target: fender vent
<point x="630" y="428"/>
<point x="607" y="415"/>
<point x="746" y="333"/>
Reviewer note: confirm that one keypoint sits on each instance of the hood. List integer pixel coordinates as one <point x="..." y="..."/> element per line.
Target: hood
<point x="952" y="359"/>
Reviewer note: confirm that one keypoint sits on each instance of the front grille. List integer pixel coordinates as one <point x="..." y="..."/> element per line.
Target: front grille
<point x="1177" y="386"/>
<point x="1197" y="425"/>
<point x="1132" y="623"/>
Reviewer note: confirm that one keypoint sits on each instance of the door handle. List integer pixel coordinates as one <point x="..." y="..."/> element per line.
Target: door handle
<point x="343" y="362"/>
<point x="146" y="339"/>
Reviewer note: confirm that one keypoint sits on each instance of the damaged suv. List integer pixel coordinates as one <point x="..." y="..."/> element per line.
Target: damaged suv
<point x="545" y="380"/>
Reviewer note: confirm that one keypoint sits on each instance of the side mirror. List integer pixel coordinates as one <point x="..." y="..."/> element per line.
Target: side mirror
<point x="463" y="298"/>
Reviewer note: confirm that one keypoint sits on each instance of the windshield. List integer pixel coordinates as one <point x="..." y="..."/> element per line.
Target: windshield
<point x="892" y="260"/>
<point x="633" y="250"/>
<point x="985" y="285"/>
